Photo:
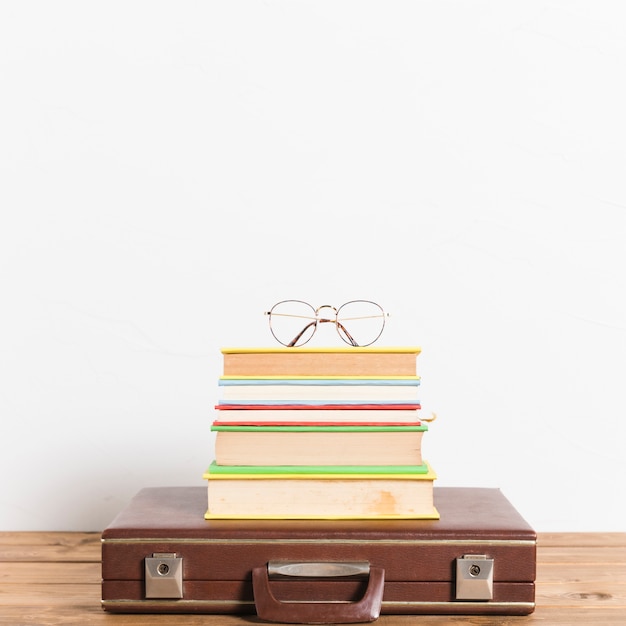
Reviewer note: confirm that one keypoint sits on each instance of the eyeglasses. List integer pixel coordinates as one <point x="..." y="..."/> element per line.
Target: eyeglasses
<point x="294" y="322"/>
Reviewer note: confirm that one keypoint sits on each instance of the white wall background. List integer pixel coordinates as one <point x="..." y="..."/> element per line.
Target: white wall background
<point x="169" y="170"/>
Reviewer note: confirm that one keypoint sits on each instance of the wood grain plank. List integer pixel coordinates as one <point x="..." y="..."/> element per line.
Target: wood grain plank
<point x="35" y="547"/>
<point x="581" y="539"/>
<point x="46" y="538"/>
<point x="49" y="572"/>
<point x="581" y="594"/>
<point x="591" y="573"/>
<point x="577" y="556"/>
<point x="50" y="594"/>
<point x="579" y="617"/>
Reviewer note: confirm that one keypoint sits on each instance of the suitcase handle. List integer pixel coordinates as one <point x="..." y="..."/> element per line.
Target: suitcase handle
<point x="270" y="609"/>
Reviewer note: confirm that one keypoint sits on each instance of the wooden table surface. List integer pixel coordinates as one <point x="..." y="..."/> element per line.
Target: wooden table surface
<point x="49" y="578"/>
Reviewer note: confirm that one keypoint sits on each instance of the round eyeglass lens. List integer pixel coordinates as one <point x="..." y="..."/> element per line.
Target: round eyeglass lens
<point x="292" y="322"/>
<point x="360" y="322"/>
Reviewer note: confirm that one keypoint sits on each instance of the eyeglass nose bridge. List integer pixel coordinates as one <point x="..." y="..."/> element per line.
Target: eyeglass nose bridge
<point x="341" y="329"/>
<point x="326" y="306"/>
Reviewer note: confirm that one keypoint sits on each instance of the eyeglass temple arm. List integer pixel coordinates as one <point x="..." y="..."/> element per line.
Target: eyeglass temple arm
<point x="295" y="340"/>
<point x="353" y="343"/>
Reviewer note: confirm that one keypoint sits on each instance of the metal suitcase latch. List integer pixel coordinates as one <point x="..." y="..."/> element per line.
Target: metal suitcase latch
<point x="474" y="577"/>
<point x="164" y="575"/>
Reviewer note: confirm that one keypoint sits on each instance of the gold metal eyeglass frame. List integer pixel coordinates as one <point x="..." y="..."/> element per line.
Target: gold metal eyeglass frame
<point x="314" y="321"/>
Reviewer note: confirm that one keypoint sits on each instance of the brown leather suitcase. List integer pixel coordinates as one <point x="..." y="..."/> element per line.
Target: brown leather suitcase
<point x="161" y="556"/>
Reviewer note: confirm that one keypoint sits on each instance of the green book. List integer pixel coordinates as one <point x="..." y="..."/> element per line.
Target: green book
<point x="320" y="429"/>
<point x="313" y="492"/>
<point x="311" y="471"/>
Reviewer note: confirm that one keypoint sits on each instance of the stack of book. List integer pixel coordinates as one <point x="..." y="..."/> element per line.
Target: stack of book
<point x="319" y="433"/>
